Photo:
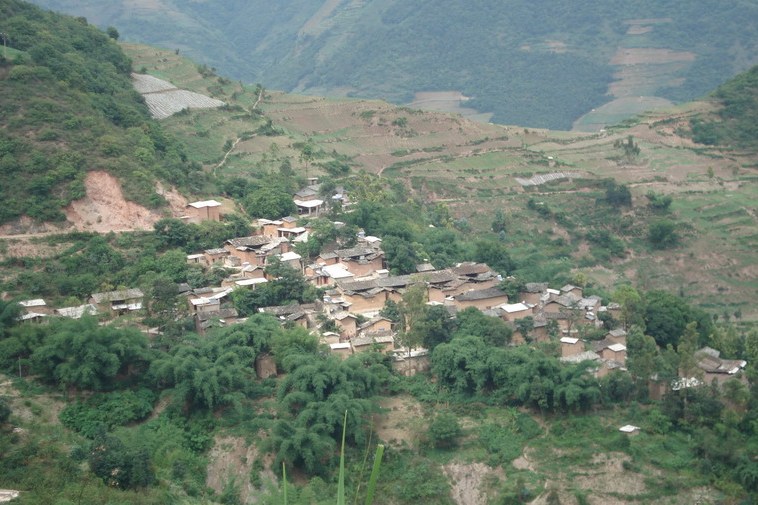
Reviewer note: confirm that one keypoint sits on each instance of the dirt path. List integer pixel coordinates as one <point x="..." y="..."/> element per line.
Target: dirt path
<point x="237" y="141"/>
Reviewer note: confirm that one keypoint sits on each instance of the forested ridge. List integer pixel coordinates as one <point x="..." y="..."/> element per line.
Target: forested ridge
<point x="69" y="107"/>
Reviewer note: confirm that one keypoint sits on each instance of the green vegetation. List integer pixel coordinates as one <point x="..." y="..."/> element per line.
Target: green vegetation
<point x="69" y="108"/>
<point x="734" y="122"/>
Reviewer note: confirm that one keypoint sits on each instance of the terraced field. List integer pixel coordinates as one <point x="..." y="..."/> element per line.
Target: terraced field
<point x="473" y="169"/>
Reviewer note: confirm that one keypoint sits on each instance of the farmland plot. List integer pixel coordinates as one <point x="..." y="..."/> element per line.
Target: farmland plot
<point x="163" y="99"/>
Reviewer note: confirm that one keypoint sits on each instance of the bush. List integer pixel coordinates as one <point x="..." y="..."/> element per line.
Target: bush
<point x="107" y="411"/>
<point x="444" y="430"/>
<point x="5" y="410"/>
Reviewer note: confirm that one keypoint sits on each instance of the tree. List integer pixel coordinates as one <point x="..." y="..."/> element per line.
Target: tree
<point x="642" y="356"/>
<point x="662" y="234"/>
<point x="444" y="430"/>
<point x="494" y="331"/>
<point x="495" y="254"/>
<point x="632" y="307"/>
<point x="667" y="315"/>
<point x="118" y="465"/>
<point x="269" y="203"/>
<point x="413" y="309"/>
<point x="629" y="148"/>
<point x="688" y="363"/>
<point x="617" y="195"/>
<point x="525" y="326"/>
<point x="112" y="33"/>
<point x="400" y="254"/>
<point x="82" y="354"/>
<point x="436" y="327"/>
<point x="498" y="222"/>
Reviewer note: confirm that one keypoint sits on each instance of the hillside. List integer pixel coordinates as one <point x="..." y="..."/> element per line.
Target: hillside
<point x="733" y="123"/>
<point x="473" y="170"/>
<point x="70" y="110"/>
<point x="543" y="63"/>
<point x="142" y="405"/>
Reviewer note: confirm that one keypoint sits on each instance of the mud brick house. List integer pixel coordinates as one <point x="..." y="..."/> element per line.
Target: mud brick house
<point x="118" y="302"/>
<point x="255" y="249"/>
<point x="480" y="298"/>
<point x="206" y="210"/>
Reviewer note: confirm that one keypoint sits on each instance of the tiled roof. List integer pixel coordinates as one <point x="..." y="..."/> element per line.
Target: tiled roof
<point x="479" y="294"/>
<point x="253" y="241"/>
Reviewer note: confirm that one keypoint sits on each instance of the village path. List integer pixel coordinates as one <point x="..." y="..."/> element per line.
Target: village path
<point x="237" y="141"/>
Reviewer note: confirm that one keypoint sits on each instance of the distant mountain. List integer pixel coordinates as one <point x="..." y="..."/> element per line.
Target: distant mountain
<point x="68" y="107"/>
<point x="541" y="63"/>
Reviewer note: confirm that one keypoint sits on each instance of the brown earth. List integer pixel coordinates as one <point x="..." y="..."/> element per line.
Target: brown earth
<point x="231" y="461"/>
<point x="468" y="481"/>
<point x="398" y="425"/>
<point x="105" y="209"/>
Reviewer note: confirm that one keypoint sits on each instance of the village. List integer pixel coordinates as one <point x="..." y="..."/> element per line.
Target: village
<point x="356" y="288"/>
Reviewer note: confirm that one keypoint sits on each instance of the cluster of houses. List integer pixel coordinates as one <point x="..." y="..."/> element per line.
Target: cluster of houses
<point x="357" y="286"/>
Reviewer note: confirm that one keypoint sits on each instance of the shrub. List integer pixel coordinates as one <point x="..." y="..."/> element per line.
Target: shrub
<point x="444" y="430"/>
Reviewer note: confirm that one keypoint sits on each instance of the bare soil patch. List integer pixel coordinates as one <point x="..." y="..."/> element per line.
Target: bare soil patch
<point x="400" y="423"/>
<point x="642" y="55"/>
<point x="468" y="481"/>
<point x="231" y="460"/>
<point x="105" y="209"/>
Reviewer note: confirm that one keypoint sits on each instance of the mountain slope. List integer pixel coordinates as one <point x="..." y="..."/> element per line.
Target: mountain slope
<point x="69" y="108"/>
<point x="543" y="63"/>
<point x="734" y="122"/>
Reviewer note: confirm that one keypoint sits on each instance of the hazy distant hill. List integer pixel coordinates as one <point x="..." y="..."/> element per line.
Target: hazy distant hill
<point x="539" y="63"/>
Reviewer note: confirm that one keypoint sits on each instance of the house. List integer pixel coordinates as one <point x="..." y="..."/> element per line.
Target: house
<point x="32" y="317"/>
<point x="716" y="368"/>
<point x="255" y="249"/>
<point x="570" y="289"/>
<point x="614" y="352"/>
<point x="307" y="202"/>
<point x="341" y="349"/>
<point x="366" y="343"/>
<point x="118" y="302"/>
<point x="361" y="260"/>
<point x="327" y="275"/>
<point x="201" y="305"/>
<point x="562" y="303"/>
<point x="410" y="363"/>
<point x="206" y="210"/>
<point x="347" y="323"/>
<point x="38" y="306"/>
<point x="479" y="274"/>
<point x="224" y="316"/>
<point x="76" y="312"/>
<point x="532" y="292"/>
<point x="589" y="304"/>
<point x="571" y="346"/>
<point x="617" y="336"/>
<point x="292" y="259"/>
<point x="196" y="259"/>
<point x="481" y="298"/>
<point x="299" y="314"/>
<point x="375" y="325"/>
<point x="514" y="311"/>
<point x="216" y="256"/>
